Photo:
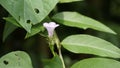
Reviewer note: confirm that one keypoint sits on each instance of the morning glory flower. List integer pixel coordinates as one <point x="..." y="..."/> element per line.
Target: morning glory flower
<point x="50" y="27"/>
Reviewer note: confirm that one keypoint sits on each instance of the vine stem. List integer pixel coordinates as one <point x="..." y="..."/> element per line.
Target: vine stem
<point x="61" y="57"/>
<point x="57" y="41"/>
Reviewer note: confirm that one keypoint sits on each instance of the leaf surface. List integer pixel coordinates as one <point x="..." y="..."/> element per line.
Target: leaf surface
<point x="17" y="59"/>
<point x="90" y="45"/>
<point x="28" y="12"/>
<point x="75" y="19"/>
<point x="97" y="63"/>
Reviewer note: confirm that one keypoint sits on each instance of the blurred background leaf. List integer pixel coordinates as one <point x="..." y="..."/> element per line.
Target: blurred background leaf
<point x="17" y="59"/>
<point x="55" y="62"/>
<point x="97" y="63"/>
<point x="9" y="28"/>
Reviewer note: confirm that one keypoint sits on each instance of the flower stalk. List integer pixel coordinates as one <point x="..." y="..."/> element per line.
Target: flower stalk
<point x="57" y="41"/>
<point x="53" y="39"/>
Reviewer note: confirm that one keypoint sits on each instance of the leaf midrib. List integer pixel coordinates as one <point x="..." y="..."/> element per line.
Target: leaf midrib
<point x="82" y="45"/>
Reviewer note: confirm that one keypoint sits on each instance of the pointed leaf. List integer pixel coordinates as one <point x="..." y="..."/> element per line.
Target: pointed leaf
<point x="28" y="12"/>
<point x="12" y="21"/>
<point x="17" y="59"/>
<point x="97" y="63"/>
<point x="75" y="19"/>
<point x="90" y="45"/>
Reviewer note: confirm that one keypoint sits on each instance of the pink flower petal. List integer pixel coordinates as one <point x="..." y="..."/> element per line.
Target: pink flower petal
<point x="50" y="27"/>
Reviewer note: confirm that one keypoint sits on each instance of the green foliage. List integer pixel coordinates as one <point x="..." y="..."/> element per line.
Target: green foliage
<point x="55" y="62"/>
<point x="12" y="21"/>
<point x="9" y="28"/>
<point x="31" y="14"/>
<point x="17" y="59"/>
<point x="67" y="1"/>
<point x="90" y="45"/>
<point x="97" y="63"/>
<point x="37" y="28"/>
<point x="27" y="12"/>
<point x="75" y="19"/>
<point x="34" y="30"/>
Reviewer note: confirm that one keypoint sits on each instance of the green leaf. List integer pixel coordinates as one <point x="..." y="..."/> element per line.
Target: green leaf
<point x="97" y="63"/>
<point x="28" y="12"/>
<point x="90" y="45"/>
<point x="67" y="1"/>
<point x="34" y="30"/>
<point x="10" y="26"/>
<point x="8" y="29"/>
<point x="37" y="28"/>
<point x="12" y="20"/>
<point x="55" y="62"/>
<point x="17" y="59"/>
<point x="75" y="19"/>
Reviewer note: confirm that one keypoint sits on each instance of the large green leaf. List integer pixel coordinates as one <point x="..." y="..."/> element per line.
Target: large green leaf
<point x="90" y="45"/>
<point x="17" y="59"/>
<point x="67" y="1"/>
<point x="75" y="19"/>
<point x="55" y="62"/>
<point x="28" y="12"/>
<point x="97" y="63"/>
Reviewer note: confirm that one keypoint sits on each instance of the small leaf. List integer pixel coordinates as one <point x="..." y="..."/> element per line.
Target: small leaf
<point x="28" y="12"/>
<point x="90" y="45"/>
<point x="75" y="19"/>
<point x="8" y="29"/>
<point x="67" y="1"/>
<point x="37" y="28"/>
<point x="34" y="30"/>
<point x="97" y="63"/>
<point x="55" y="62"/>
<point x="17" y="59"/>
<point x="12" y="21"/>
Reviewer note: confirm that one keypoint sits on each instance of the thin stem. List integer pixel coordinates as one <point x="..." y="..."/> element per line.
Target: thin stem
<point x="59" y="49"/>
<point x="61" y="57"/>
